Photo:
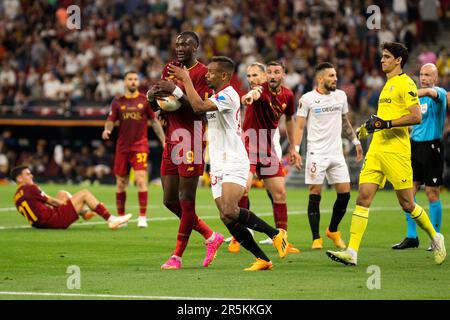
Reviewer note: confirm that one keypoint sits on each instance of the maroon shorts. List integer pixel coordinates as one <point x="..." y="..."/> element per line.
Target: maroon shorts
<point x="134" y="159"/>
<point x="265" y="171"/>
<point x="183" y="163"/>
<point x="62" y="217"/>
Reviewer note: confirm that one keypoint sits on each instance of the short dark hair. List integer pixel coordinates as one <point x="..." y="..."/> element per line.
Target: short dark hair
<point x="226" y="64"/>
<point x="128" y="72"/>
<point x="17" y="171"/>
<point x="191" y="34"/>
<point x="322" y="66"/>
<point x="397" y="49"/>
<point x="276" y="63"/>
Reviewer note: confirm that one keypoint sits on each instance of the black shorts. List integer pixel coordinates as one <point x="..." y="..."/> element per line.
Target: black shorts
<point x="427" y="161"/>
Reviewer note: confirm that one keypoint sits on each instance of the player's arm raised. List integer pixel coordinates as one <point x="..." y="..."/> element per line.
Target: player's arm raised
<point x="430" y="92"/>
<point x="197" y="103"/>
<point x="351" y="135"/>
<point x="252" y="95"/>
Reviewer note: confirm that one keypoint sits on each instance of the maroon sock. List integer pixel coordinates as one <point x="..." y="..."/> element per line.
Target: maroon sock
<point x="188" y="219"/>
<point x="121" y="198"/>
<point x="244" y="203"/>
<point x="142" y="196"/>
<point x="200" y="226"/>
<point x="101" y="210"/>
<point x="280" y="215"/>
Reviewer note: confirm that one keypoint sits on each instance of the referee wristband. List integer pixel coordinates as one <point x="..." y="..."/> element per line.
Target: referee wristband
<point x="356" y="141"/>
<point x="297" y="149"/>
<point x="177" y="92"/>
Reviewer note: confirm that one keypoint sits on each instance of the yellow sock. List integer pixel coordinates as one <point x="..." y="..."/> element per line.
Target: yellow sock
<point x="360" y="218"/>
<point x="423" y="221"/>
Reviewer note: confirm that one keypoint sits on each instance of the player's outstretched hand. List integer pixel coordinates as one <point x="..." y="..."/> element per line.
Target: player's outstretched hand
<point x="359" y="153"/>
<point x="361" y="132"/>
<point x="376" y="123"/>
<point x="178" y="72"/>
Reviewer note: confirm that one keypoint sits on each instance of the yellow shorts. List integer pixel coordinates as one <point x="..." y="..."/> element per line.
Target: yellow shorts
<point x="379" y="166"/>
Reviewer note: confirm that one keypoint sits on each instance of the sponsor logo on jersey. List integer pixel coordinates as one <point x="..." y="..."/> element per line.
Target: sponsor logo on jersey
<point x="385" y="100"/>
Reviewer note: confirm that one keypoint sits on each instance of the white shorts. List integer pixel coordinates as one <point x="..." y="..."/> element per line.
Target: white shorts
<point x="237" y="177"/>
<point x="333" y="168"/>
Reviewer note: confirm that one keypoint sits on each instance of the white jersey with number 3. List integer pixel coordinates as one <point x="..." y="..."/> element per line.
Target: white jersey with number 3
<point x="324" y="156"/>
<point x="324" y="120"/>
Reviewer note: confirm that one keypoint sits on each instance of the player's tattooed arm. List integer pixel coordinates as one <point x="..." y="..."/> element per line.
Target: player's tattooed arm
<point x="351" y="135"/>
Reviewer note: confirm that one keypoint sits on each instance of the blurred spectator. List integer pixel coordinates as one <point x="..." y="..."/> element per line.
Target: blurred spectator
<point x="102" y="162"/>
<point x="85" y="168"/>
<point x="429" y="14"/>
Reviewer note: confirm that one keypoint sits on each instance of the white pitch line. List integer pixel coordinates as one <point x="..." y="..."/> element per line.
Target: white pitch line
<point x="109" y="296"/>
<point x="262" y="214"/>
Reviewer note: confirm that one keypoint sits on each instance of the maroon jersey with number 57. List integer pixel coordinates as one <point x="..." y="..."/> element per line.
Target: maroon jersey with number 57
<point x="133" y="113"/>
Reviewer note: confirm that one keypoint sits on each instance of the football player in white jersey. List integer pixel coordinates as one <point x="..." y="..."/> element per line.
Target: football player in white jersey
<point x="229" y="162"/>
<point x="324" y="112"/>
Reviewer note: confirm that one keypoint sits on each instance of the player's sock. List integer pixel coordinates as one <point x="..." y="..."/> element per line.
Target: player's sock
<point x="250" y="220"/>
<point x="200" y="226"/>
<point x="420" y="216"/>
<point x="121" y="198"/>
<point x="314" y="214"/>
<point x="436" y="214"/>
<point x="101" y="210"/>
<point x="339" y="209"/>
<point x="244" y="203"/>
<point x="358" y="226"/>
<point x="280" y="215"/>
<point x="186" y="224"/>
<point x="411" y="226"/>
<point x="245" y="238"/>
<point x="142" y="197"/>
<point x="270" y="196"/>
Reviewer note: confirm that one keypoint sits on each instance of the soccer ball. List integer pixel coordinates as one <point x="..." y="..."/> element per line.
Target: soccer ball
<point x="169" y="103"/>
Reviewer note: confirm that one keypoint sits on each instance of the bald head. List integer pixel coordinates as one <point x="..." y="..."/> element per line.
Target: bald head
<point x="428" y="75"/>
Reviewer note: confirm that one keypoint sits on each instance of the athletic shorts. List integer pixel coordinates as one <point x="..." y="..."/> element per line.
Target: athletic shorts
<point x="427" y="161"/>
<point x="238" y="177"/>
<point x="184" y="165"/>
<point x="319" y="167"/>
<point x="379" y="166"/>
<point x="62" y="217"/>
<point x="265" y="171"/>
<point x="123" y="161"/>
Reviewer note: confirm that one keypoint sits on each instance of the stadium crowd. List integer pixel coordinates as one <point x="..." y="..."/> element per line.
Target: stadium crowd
<point x="41" y="60"/>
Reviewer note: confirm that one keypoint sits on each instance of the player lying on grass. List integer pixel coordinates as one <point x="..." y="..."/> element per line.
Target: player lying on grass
<point x="46" y="212"/>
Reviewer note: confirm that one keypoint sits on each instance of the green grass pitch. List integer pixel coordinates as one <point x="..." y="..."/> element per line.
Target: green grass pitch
<point x="125" y="263"/>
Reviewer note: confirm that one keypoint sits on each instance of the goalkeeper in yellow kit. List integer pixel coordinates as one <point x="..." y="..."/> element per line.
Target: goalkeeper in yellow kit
<point x="389" y="155"/>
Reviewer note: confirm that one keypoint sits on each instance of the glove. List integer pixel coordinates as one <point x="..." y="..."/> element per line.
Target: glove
<point x="376" y="123"/>
<point x="361" y="132"/>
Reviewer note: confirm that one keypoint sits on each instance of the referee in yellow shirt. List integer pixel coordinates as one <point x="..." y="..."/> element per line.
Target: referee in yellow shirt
<point x="389" y="155"/>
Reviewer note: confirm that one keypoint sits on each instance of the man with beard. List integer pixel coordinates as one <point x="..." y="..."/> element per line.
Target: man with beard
<point x="182" y="163"/>
<point x="132" y="112"/>
<point x="324" y="111"/>
<point x="266" y="104"/>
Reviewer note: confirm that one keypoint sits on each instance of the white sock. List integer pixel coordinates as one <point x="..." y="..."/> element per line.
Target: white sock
<point x="111" y="218"/>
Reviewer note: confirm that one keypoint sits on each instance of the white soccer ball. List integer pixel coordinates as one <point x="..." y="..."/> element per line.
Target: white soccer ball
<point x="169" y="103"/>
